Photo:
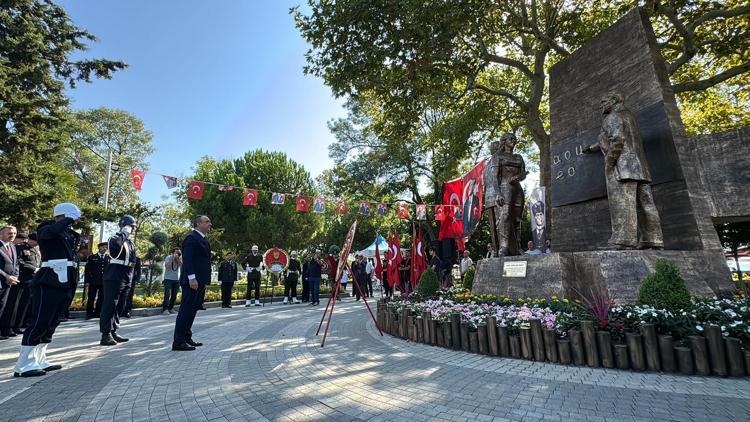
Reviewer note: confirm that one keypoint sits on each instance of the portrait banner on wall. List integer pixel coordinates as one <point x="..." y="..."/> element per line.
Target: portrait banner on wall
<point x="537" y="208"/>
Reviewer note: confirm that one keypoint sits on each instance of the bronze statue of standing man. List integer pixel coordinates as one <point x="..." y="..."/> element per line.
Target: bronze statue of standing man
<point x="635" y="219"/>
<point x="504" y="195"/>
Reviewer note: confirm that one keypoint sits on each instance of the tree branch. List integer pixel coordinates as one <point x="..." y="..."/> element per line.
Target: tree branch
<point x="714" y="80"/>
<point x="494" y="58"/>
<point x="719" y="13"/>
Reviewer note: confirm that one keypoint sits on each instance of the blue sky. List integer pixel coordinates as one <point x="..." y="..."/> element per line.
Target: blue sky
<point x="213" y="78"/>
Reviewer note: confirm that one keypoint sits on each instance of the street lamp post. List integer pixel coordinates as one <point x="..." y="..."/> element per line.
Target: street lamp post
<point x="106" y="192"/>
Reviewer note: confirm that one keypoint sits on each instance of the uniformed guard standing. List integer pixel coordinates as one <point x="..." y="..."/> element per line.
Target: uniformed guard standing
<point x="92" y="279"/>
<point x="29" y="260"/>
<point x="290" y="281"/>
<point x="252" y="265"/>
<point x="51" y="289"/>
<point x="116" y="281"/>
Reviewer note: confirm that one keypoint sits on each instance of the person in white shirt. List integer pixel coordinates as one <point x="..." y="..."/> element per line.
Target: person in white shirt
<point x="369" y="268"/>
<point x="466" y="263"/>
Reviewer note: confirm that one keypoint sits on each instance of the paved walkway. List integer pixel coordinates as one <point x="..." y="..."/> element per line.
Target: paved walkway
<point x="267" y="364"/>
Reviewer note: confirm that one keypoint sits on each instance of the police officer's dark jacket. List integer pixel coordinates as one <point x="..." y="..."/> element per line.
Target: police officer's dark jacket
<point x="122" y="259"/>
<point x="57" y="241"/>
<point x="95" y="269"/>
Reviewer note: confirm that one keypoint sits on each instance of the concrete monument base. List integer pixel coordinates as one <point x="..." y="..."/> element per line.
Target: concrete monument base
<point x="619" y="273"/>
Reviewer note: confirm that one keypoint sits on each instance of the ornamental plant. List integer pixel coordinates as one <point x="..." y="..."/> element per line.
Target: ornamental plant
<point x="428" y="283"/>
<point x="469" y="278"/>
<point x="664" y="289"/>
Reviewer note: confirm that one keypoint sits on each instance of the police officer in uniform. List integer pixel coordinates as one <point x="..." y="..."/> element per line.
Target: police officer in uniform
<point x="252" y="265"/>
<point x="116" y="281"/>
<point x="293" y="271"/>
<point x="50" y="289"/>
<point x="92" y="279"/>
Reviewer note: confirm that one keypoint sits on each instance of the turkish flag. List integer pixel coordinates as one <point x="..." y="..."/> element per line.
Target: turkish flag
<point x="439" y="212"/>
<point x="250" y="197"/>
<point x="196" y="189"/>
<point x="418" y="260"/>
<point x="137" y="177"/>
<point x="342" y="208"/>
<point x="452" y="225"/>
<point x="378" y="261"/>
<point x="391" y="265"/>
<point x="402" y="210"/>
<point x="303" y="203"/>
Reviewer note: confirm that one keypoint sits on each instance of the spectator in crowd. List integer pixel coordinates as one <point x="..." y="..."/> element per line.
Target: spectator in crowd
<point x="19" y="299"/>
<point x="369" y="269"/>
<point x="531" y="249"/>
<point x="359" y="268"/>
<point x="227" y="277"/>
<point x="306" y="281"/>
<point x="171" y="281"/>
<point x="387" y="289"/>
<point x="405" y="273"/>
<point x="316" y="266"/>
<point x="9" y="271"/>
<point x="466" y="263"/>
<point x="548" y="246"/>
<point x="490" y="252"/>
<point x="437" y="265"/>
<point x="291" y="277"/>
<point x="137" y="271"/>
<point x="92" y="280"/>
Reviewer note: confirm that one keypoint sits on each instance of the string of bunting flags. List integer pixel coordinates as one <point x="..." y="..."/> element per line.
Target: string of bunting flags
<point x="303" y="203"/>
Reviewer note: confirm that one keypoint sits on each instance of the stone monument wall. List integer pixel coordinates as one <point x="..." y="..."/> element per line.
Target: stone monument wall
<point x="624" y="57"/>
<point x="725" y="170"/>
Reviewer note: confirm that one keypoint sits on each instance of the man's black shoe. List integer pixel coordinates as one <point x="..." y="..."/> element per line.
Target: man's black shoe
<point x="3" y="337"/>
<point x="9" y="334"/>
<point x="194" y="343"/>
<point x="18" y="331"/>
<point x="107" y="340"/>
<point x="118" y="338"/>
<point x="202" y="308"/>
<point x="184" y="347"/>
<point x="126" y="315"/>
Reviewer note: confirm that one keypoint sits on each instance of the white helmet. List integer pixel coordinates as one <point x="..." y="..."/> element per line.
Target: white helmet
<point x="67" y="209"/>
<point x="254" y="248"/>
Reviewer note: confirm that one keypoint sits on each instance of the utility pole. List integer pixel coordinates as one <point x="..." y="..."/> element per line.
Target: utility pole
<point x="106" y="192"/>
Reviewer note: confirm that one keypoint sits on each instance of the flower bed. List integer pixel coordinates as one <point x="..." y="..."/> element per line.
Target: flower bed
<point x="711" y="337"/>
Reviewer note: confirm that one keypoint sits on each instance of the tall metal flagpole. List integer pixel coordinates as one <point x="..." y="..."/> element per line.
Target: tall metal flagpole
<point x="106" y="192"/>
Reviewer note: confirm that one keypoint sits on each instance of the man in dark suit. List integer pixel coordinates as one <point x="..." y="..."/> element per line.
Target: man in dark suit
<point x="195" y="275"/>
<point x="92" y="279"/>
<point x="8" y="267"/>
<point x="116" y="281"/>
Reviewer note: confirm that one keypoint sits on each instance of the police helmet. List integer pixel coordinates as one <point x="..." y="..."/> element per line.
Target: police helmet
<point x="126" y="220"/>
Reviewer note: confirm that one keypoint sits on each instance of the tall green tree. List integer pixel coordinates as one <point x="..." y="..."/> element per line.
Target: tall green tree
<point x="239" y="227"/>
<point x="37" y="40"/>
<point x="416" y="54"/>
<point x="94" y="134"/>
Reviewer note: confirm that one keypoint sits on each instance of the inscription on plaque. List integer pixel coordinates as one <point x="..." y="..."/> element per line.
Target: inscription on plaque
<point x="514" y="269"/>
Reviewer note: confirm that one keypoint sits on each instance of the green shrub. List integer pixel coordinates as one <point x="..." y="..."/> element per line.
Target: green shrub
<point x="664" y="289"/>
<point x="428" y="283"/>
<point x="469" y="278"/>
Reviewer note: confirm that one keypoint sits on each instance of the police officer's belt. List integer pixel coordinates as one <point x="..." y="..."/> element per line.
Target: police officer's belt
<point x="46" y="264"/>
<point x="121" y="262"/>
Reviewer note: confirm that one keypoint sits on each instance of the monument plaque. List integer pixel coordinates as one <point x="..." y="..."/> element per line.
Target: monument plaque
<point x="514" y="269"/>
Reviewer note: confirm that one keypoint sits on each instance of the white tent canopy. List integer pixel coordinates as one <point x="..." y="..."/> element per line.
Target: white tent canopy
<point x="369" y="252"/>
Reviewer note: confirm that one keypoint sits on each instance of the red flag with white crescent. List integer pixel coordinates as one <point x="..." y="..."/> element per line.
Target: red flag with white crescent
<point x="196" y="190"/>
<point x="137" y="177"/>
<point x="378" y="260"/>
<point x="303" y="203"/>
<point x="250" y="197"/>
<point x="452" y="225"/>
